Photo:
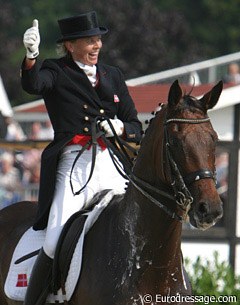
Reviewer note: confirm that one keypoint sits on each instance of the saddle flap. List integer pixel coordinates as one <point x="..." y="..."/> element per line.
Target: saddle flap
<point x="67" y="242"/>
<point x="65" y="250"/>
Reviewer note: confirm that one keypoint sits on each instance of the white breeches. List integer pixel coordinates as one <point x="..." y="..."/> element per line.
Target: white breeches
<point x="65" y="204"/>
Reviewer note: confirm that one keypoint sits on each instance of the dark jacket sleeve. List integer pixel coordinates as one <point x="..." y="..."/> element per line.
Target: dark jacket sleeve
<point x="39" y="79"/>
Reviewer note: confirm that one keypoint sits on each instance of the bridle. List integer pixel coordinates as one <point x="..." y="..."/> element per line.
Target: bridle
<point x="176" y="177"/>
<point x="179" y="184"/>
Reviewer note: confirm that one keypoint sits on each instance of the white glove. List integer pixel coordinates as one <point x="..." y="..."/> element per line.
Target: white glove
<point x="31" y="40"/>
<point x="117" y="125"/>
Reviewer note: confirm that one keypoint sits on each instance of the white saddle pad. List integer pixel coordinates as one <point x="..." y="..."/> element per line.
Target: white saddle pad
<point x="19" y="274"/>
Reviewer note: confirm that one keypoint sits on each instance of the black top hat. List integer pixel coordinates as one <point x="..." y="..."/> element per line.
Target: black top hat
<point x="83" y="25"/>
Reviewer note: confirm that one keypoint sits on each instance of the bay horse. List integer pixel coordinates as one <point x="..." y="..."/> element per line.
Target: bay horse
<point x="132" y="254"/>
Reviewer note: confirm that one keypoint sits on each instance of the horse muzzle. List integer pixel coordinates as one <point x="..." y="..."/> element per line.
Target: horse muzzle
<point x="205" y="214"/>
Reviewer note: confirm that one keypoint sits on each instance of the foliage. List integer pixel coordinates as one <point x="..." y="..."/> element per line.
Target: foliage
<point x="144" y="37"/>
<point x="213" y="278"/>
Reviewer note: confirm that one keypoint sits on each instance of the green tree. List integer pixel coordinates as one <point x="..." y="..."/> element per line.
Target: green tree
<point x="144" y="37"/>
<point x="214" y="24"/>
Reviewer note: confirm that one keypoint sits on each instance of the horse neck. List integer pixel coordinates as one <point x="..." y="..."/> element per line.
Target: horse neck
<point x="151" y="163"/>
<point x="160" y="230"/>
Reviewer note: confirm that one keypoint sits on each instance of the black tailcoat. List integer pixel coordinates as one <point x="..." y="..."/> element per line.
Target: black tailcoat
<point x="72" y="104"/>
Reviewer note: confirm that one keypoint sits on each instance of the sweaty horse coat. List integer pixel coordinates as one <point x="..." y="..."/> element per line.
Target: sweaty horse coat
<point x="72" y="105"/>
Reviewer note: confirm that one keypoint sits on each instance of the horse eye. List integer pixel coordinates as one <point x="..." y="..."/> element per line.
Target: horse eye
<point x="174" y="142"/>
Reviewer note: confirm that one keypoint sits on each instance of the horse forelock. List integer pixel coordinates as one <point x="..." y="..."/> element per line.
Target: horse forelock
<point x="188" y="104"/>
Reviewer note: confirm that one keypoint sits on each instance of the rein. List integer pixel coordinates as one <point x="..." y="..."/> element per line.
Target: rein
<point x="121" y="154"/>
<point x="92" y="142"/>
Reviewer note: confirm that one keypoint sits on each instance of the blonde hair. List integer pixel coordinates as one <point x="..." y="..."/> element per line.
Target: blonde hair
<point x="62" y="50"/>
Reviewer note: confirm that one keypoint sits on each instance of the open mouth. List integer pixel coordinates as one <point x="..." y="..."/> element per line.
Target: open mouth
<point x="93" y="56"/>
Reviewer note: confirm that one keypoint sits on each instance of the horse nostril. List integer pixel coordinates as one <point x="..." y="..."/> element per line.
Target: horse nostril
<point x="203" y="209"/>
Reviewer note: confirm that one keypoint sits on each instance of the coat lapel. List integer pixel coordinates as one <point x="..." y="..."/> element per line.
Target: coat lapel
<point x="105" y="86"/>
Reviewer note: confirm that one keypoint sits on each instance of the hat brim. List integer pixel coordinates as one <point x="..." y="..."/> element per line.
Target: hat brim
<point x="92" y="32"/>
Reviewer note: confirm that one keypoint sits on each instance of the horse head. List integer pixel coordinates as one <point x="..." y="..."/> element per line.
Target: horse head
<point x="179" y="145"/>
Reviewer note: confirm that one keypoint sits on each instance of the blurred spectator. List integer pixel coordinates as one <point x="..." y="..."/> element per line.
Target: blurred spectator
<point x="31" y="164"/>
<point x="10" y="181"/>
<point x="46" y="132"/>
<point x="34" y="174"/>
<point x="222" y="164"/>
<point x="14" y="131"/>
<point x="30" y="181"/>
<point x="31" y="175"/>
<point x="30" y="158"/>
<point x="38" y="132"/>
<point x="222" y="173"/>
<point x="233" y="75"/>
<point x="35" y="132"/>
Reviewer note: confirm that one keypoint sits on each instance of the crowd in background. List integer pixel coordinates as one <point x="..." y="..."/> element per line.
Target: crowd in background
<point x="20" y="169"/>
<point x="233" y="74"/>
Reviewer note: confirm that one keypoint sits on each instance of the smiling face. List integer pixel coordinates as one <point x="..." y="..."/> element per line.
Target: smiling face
<point x="86" y="49"/>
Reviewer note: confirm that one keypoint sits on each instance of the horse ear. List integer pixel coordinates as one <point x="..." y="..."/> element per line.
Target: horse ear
<point x="210" y="99"/>
<point x="175" y="94"/>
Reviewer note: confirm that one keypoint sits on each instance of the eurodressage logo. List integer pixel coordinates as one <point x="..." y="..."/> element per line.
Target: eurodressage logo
<point x="172" y="299"/>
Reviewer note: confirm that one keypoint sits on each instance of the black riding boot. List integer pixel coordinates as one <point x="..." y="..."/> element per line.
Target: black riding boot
<point x="38" y="286"/>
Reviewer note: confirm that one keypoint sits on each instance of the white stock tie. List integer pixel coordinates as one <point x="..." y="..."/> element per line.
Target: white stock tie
<point x="90" y="71"/>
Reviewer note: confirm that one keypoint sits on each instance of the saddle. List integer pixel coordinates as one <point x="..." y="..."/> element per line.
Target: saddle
<point x="68" y="256"/>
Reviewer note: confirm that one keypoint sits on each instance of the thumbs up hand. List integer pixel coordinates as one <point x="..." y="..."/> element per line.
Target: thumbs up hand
<point x="31" y="40"/>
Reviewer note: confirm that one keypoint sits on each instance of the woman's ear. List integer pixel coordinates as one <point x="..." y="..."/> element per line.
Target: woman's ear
<point x="69" y="46"/>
